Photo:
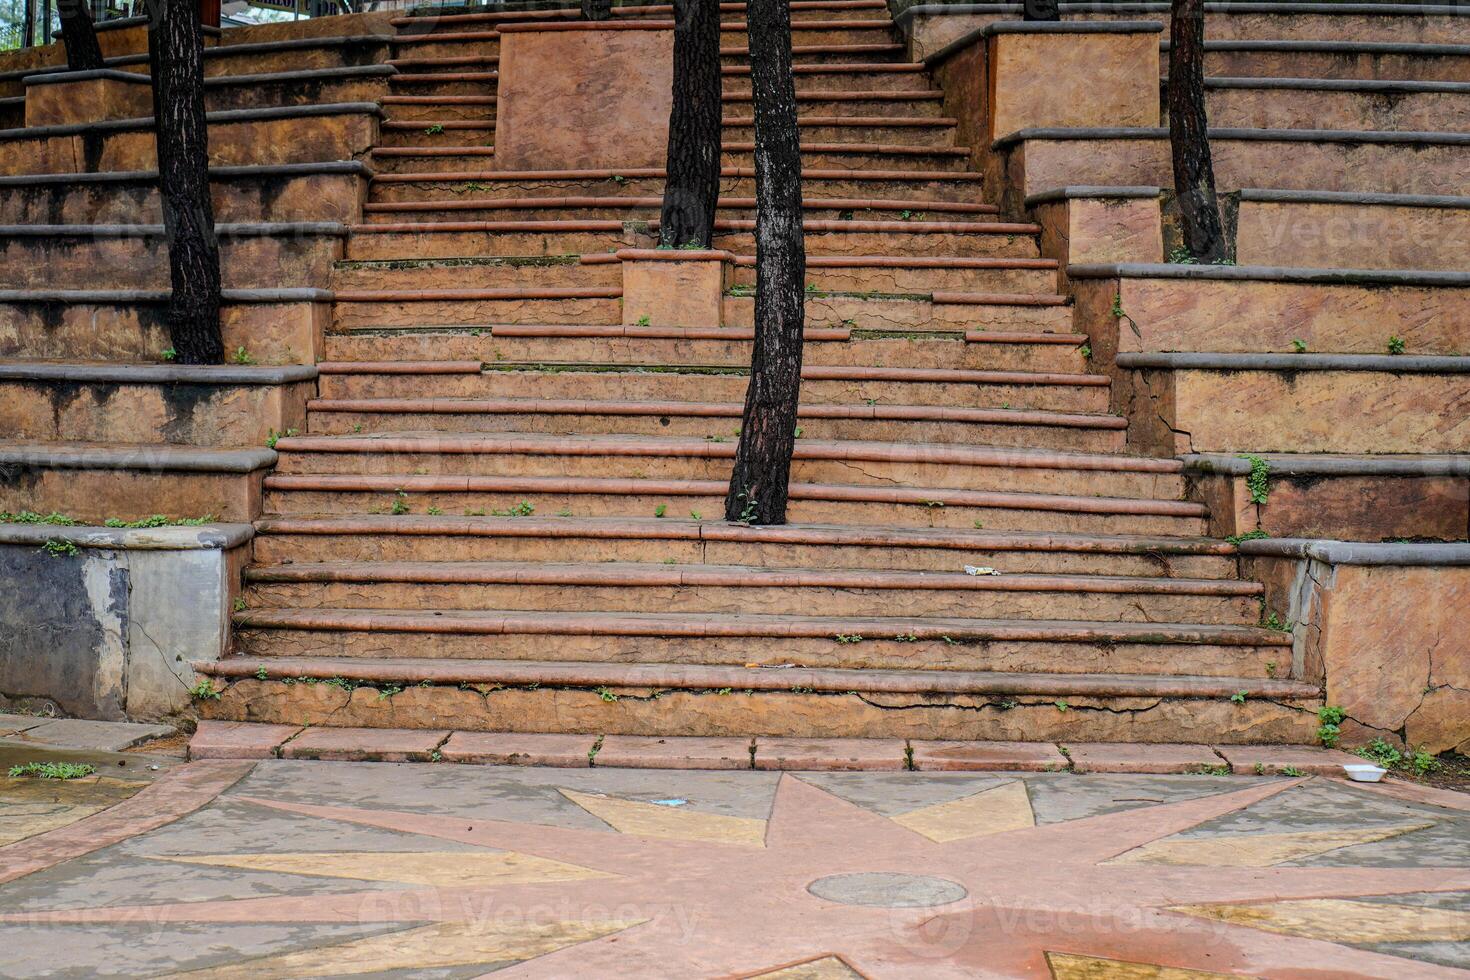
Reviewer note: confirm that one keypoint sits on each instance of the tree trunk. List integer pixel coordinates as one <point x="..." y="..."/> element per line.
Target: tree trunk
<point x="596" y="9"/>
<point x="1194" y="170"/>
<point x="692" y="186"/>
<point x="176" y="56"/>
<point x="78" y="34"/>
<point x="1041" y="10"/>
<point x="760" y="481"/>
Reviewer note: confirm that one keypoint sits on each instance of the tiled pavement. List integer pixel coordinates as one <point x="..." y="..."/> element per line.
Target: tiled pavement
<point x="288" y="868"/>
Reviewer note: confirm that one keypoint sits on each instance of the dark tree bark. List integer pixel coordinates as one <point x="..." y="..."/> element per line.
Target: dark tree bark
<point x="596" y="9"/>
<point x="176" y="58"/>
<point x="78" y="34"/>
<point x="762" y="475"/>
<point x="1041" y="10"/>
<point x="692" y="185"/>
<point x="1194" y="169"/>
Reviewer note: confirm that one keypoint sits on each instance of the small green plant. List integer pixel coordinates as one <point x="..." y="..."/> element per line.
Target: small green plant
<point x="1421" y="762"/>
<point x="434" y="511"/>
<point x="695" y="514"/>
<point x="523" y="509"/>
<point x="979" y="525"/>
<point x="1223" y="769"/>
<point x="168" y="353"/>
<point x="1256" y="535"/>
<point x="400" y="503"/>
<point x="1238" y="697"/>
<point x="158" y="520"/>
<point x="643" y="320"/>
<point x="204" y="691"/>
<point x="436" y="756"/>
<point x="1329" y="730"/>
<point x="1062" y="704"/>
<point x="848" y="638"/>
<point x="384" y="693"/>
<point x="606" y="694"/>
<point x="1292" y="771"/>
<point x="53" y="770"/>
<point x="564" y="512"/>
<point x="1270" y="668"/>
<point x="748" y="510"/>
<point x="1258" y="482"/>
<point x="619" y="179"/>
<point x="1117" y="310"/>
<point x="1260" y="769"/>
<point x="660" y="510"/>
<point x="272" y="437"/>
<point x="1396" y="345"/>
<point x="242" y="356"/>
<point x="906" y="638"/>
<point x="1299" y="345"/>
<point x="434" y="130"/>
<point x="1381" y="753"/>
<point x="1086" y="351"/>
<point x="261" y="673"/>
<point x="1271" y="621"/>
<point x="239" y="603"/>
<point x="798" y="432"/>
<point x="31" y="517"/>
<point x="60" y="548"/>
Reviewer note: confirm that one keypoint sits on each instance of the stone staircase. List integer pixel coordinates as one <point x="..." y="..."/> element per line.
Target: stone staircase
<point x="503" y="514"/>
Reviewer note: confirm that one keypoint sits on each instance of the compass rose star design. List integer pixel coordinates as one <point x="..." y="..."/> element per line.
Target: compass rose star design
<point x="826" y="888"/>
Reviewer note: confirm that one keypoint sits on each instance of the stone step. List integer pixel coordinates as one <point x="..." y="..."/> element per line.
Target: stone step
<point x="693" y="700"/>
<point x="368" y="309"/>
<point x="330" y="192"/>
<point x="726" y="347"/>
<point x="802" y="11"/>
<point x="897" y="423"/>
<point x="297" y="86"/>
<point x="957" y="186"/>
<point x="201" y="405"/>
<point x="479" y="272"/>
<point x="95" y="481"/>
<point x="843" y="52"/>
<point x="445" y="83"/>
<point x="460" y="154"/>
<point x="419" y="63"/>
<point x="447" y="461"/>
<point x="412" y="537"/>
<point x="886" y="101"/>
<point x="434" y="108"/>
<point x="957" y="312"/>
<point x="909" y="130"/>
<point x="446" y="133"/>
<point x="454" y="239"/>
<point x="730" y="589"/>
<point x="252" y="255"/>
<point x="1337" y="59"/>
<point x="469" y="206"/>
<point x="803" y="33"/>
<point x="871" y="385"/>
<point x="1351" y="104"/>
<point x="850" y="76"/>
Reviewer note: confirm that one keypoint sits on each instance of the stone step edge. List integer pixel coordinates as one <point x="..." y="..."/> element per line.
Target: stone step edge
<point x="520" y="444"/>
<point x="248" y="740"/>
<point x="675" y="529"/>
<point x="604" y="330"/>
<point x="809" y="372"/>
<point x="617" y="226"/>
<point x="644" y="575"/>
<point x="828" y="173"/>
<point x="535" y="17"/>
<point x="627" y="486"/>
<point x="733" y="203"/>
<point x="713" y="410"/>
<point x="551" y="674"/>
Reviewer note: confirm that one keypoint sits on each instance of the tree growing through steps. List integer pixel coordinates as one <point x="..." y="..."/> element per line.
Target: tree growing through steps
<point x="176" y="59"/>
<point x="596" y="9"/>
<point x="1189" y="140"/>
<point x="79" y="36"/>
<point x="692" y="183"/>
<point x="761" y="478"/>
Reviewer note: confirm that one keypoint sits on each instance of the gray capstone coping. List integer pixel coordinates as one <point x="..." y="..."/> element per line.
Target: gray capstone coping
<point x="246" y="172"/>
<point x="110" y="74"/>
<point x="1074" y="192"/>
<point x="1268" y="273"/>
<point x="260" y="229"/>
<point x="156" y="458"/>
<point x="1374" y="86"/>
<point x="1354" y="198"/>
<point x="129" y="296"/>
<point x="1329" y="9"/>
<point x="1360" y="552"/>
<point x="1392" y="363"/>
<point x="1337" y="47"/>
<point x="213" y="118"/>
<point x="1351" y="136"/>
<point x="199" y="374"/>
<point x="204" y="537"/>
<point x="1329" y="464"/>
<point x="1043" y="27"/>
<point x="301" y="75"/>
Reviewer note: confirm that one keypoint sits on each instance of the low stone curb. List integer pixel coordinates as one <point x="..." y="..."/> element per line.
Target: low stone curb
<point x="244" y="740"/>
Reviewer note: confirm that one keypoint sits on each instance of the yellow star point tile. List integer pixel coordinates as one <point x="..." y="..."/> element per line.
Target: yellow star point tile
<point x="992" y="811"/>
<point x="1257" y="850"/>
<point x="428" y="947"/>
<point x="448" y="869"/>
<point x="1066" y="966"/>
<point x="670" y="823"/>
<point x="1343" y="921"/>
<point x="35" y="806"/>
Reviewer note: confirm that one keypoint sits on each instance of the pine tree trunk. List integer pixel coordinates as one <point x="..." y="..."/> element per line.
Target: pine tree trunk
<point x="176" y="54"/>
<point x="762" y="475"/>
<point x="596" y="9"/>
<point x="78" y="34"/>
<point x="1041" y="10"/>
<point x="1194" y="170"/>
<point x="692" y="187"/>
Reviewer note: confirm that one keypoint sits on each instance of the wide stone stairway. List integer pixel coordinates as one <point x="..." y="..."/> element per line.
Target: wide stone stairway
<point x="504" y="513"/>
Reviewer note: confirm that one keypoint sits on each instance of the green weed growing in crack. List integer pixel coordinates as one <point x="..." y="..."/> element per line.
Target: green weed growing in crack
<point x="848" y="638"/>
<point x="60" y="548"/>
<point x="1256" y="535"/>
<point x="52" y="770"/>
<point x="1238" y="697"/>
<point x="596" y="748"/>
<point x="1260" y="768"/>
<point x="1299" y="346"/>
<point x="1292" y="771"/>
<point x="906" y="638"/>
<point x="1062" y="704"/>
<point x="261" y="673"/>
<point x="1271" y="621"/>
<point x="204" y="691"/>
<point x="801" y="690"/>
<point x="1223" y="769"/>
<point x="384" y="693"/>
<point x="239" y="604"/>
<point x="908" y="758"/>
<point x="1396" y="345"/>
<point x="1258" y="483"/>
<point x="272" y="437"/>
<point x="606" y="695"/>
<point x="400" y="503"/>
<point x="1270" y="668"/>
<point x="434" y="130"/>
<point x="1329" y="731"/>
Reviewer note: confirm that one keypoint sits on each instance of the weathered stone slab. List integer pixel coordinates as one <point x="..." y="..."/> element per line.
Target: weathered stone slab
<point x="1138" y="757"/>
<point x="578" y="96"/>
<point x="238" y="740"/>
<point x="59" y="98"/>
<point x="829" y="754"/>
<point x="663" y="291"/>
<point x="364" y="745"/>
<point x="520" y="749"/>
<point x="1273" y="760"/>
<point x="986" y="756"/>
<point x="101" y="736"/>
<point x="631" y="751"/>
